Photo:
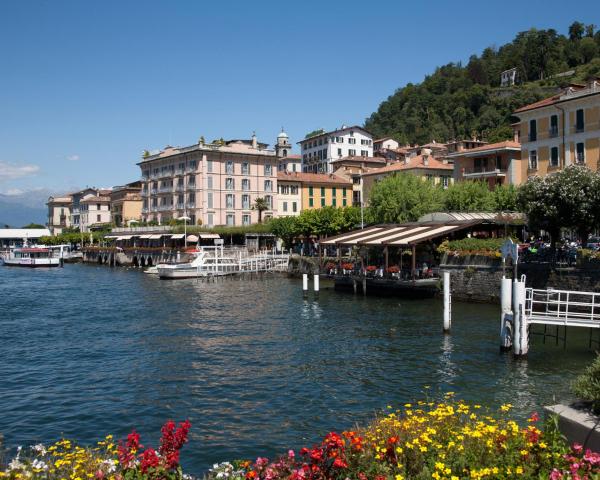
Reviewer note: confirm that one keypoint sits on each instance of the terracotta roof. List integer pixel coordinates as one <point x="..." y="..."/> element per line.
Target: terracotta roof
<point x="488" y="148"/>
<point x="413" y="164"/>
<point x="293" y="157"/>
<point x="541" y="103"/>
<point x="360" y="159"/>
<point x="563" y="95"/>
<point x="312" y="178"/>
<point x="383" y="139"/>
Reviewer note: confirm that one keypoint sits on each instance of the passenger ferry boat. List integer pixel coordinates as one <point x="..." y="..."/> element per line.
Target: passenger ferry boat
<point x="31" y="257"/>
<point x="208" y="261"/>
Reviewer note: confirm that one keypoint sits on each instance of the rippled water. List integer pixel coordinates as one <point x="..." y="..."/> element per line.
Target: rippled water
<point x="87" y="351"/>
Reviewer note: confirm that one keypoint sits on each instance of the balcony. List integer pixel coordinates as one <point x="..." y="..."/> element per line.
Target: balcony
<point x="580" y="158"/>
<point x="179" y="188"/>
<point x="145" y="210"/>
<point x="165" y="190"/>
<point x="154" y="191"/>
<point x="180" y="206"/>
<point x="144" y="193"/>
<point x="165" y="208"/>
<point x="482" y="172"/>
<point x="191" y="205"/>
<point x="553" y="132"/>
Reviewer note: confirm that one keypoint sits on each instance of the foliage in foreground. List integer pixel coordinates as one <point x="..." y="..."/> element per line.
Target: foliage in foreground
<point x="446" y="440"/>
<point x="587" y="385"/>
<point x="127" y="460"/>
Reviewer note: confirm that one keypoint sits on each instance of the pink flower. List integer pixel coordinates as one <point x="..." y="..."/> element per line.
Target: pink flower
<point x="577" y="447"/>
<point x="291" y="454"/>
<point x="592" y="457"/>
<point x="555" y="475"/>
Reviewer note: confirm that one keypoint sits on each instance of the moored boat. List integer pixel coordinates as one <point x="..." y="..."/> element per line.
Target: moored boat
<point x="31" y="257"/>
<point x="207" y="261"/>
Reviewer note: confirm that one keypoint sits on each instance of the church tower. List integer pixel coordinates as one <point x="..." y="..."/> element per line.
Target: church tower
<point x="282" y="147"/>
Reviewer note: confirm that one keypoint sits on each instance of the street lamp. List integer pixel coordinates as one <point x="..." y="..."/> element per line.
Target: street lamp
<point x="185" y="220"/>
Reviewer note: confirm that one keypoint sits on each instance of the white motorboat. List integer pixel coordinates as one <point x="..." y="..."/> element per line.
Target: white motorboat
<point x="207" y="261"/>
<point x="32" y="257"/>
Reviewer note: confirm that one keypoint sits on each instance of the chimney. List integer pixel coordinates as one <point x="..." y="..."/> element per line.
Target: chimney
<point x="425" y="154"/>
<point x="254" y="141"/>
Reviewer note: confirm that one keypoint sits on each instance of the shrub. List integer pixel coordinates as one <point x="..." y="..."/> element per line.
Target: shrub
<point x="587" y="385"/>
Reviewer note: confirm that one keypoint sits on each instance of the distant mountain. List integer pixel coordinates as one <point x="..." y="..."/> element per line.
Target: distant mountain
<point x="22" y="208"/>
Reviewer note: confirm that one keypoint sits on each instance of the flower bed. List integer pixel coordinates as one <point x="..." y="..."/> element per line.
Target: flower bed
<point x="447" y="440"/>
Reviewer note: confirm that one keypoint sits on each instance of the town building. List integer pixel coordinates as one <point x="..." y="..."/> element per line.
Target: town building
<point x="455" y="146"/>
<point x="352" y="168"/>
<point x="495" y="163"/>
<point x="424" y="165"/>
<point x="76" y="198"/>
<point x="211" y="184"/>
<point x="59" y="214"/>
<point x="291" y="163"/>
<point x="94" y="211"/>
<point x="289" y="194"/>
<point x="561" y="130"/>
<point x="320" y="148"/>
<point x="508" y="77"/>
<point x="316" y="190"/>
<point x="126" y="203"/>
<point x="382" y="145"/>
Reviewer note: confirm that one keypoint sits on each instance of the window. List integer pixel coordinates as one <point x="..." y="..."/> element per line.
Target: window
<point x="268" y="185"/>
<point x="322" y="191"/>
<point x="352" y="152"/>
<point x="229" y="167"/>
<point x="285" y="206"/>
<point x="294" y="207"/>
<point x="322" y="201"/>
<point x="209" y="183"/>
<point x="269" y="200"/>
<point x="245" y="168"/>
<point x="498" y="162"/>
<point x="210" y="220"/>
<point x="339" y="152"/>
<point x="310" y="191"/>
<point x="554" y="157"/>
<point x="229" y="200"/>
<point x="98" y="218"/>
<point x="192" y="180"/>
<point x="445" y="180"/>
<point x="209" y="166"/>
<point x="230" y="219"/>
<point x="364" y="153"/>
<point x="98" y="207"/>
<point x="579" y="123"/>
<point x="334" y="202"/>
<point x="311" y="202"/>
<point x="533" y="160"/>
<point x="339" y="139"/>
<point x="344" y="192"/>
<point x="333" y="192"/>
<point x="294" y="189"/>
<point x="246" y="219"/>
<point x="245" y="201"/>
<point x="532" y="130"/>
<point x="246" y="184"/>
<point x="268" y="170"/>
<point x="352" y="141"/>
<point x="580" y="155"/>
<point x="229" y="184"/>
<point x="192" y="164"/>
<point x="553" y="126"/>
<point x="209" y="200"/>
<point x="344" y="202"/>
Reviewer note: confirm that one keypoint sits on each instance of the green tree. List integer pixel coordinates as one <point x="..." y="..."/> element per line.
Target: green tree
<point x="260" y="205"/>
<point x="403" y="198"/>
<point x="469" y="196"/>
<point x="34" y="225"/>
<point x="286" y="228"/>
<point x="505" y="198"/>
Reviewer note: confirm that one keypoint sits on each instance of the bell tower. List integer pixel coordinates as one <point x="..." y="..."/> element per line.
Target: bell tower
<point x="282" y="147"/>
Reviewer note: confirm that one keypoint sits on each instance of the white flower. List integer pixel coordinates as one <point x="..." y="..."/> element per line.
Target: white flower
<point x="38" y="464"/>
<point x="39" y="448"/>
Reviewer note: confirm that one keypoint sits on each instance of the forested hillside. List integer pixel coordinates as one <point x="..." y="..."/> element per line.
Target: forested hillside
<point x="459" y="101"/>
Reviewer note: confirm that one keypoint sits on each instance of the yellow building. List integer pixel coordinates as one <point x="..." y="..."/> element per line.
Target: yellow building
<point x="561" y="130"/>
<point x="424" y="166"/>
<point x="320" y="189"/>
<point x="126" y="203"/>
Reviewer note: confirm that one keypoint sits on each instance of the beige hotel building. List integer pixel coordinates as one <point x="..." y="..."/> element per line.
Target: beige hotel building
<point x="212" y="184"/>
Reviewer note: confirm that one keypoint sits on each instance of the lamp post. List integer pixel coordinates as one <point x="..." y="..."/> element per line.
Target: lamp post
<point x="185" y="220"/>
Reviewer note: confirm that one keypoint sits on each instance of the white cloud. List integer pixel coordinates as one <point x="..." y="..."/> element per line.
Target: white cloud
<point x="14" y="191"/>
<point x="73" y="158"/>
<point x="10" y="171"/>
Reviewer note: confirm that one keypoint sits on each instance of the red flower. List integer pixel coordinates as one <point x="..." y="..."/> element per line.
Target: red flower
<point x="304" y="451"/>
<point x="534" y="417"/>
<point x="251" y="475"/>
<point x="339" y="463"/>
<point x="149" y="459"/>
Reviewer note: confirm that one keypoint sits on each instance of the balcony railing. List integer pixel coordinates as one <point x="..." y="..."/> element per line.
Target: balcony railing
<point x="164" y="208"/>
<point x="553" y="132"/>
<point x="484" y="172"/>
<point x="165" y="189"/>
<point x="191" y="205"/>
<point x="145" y="210"/>
<point x="154" y="191"/>
<point x="180" y="206"/>
<point x="580" y="158"/>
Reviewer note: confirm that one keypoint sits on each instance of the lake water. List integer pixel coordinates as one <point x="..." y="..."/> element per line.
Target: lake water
<point x="89" y="350"/>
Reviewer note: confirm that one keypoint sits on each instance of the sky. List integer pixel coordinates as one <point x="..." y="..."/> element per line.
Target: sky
<point x="86" y="86"/>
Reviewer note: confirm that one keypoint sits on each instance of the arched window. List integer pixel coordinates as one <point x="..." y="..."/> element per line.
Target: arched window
<point x="284" y="152"/>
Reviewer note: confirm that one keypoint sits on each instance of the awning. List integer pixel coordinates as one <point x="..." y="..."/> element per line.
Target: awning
<point x="178" y="236"/>
<point x="111" y="236"/>
<point x="145" y="236"/>
<point x="400" y="235"/>
<point x="155" y="237"/>
<point x="125" y="237"/>
<point x="208" y="236"/>
<point x="192" y="238"/>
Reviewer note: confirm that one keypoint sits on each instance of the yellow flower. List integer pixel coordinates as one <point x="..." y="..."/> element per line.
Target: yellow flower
<point x="399" y="477"/>
<point x="519" y="470"/>
<point x="506" y="407"/>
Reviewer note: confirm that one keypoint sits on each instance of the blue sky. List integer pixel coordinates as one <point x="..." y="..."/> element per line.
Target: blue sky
<point x="85" y="86"/>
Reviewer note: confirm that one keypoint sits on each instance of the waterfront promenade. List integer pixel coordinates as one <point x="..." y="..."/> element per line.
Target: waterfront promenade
<point x="254" y="366"/>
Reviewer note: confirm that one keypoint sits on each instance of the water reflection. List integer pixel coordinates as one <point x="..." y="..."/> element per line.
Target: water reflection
<point x="447" y="366"/>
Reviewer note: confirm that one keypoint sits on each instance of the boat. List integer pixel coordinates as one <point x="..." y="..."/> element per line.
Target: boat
<point x="152" y="270"/>
<point x="206" y="262"/>
<point x="32" y="256"/>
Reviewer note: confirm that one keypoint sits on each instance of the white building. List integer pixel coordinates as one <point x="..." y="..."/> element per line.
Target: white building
<point x="59" y="213"/>
<point x="13" y="237"/>
<point x="508" y="77"/>
<point x="381" y="145"/>
<point x="319" y="148"/>
<point x="289" y="194"/>
<point x="94" y="212"/>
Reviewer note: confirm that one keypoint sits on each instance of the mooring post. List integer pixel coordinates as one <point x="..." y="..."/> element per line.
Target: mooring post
<point x="516" y="318"/>
<point x="506" y="314"/>
<point x="316" y="284"/>
<point x="520" y="334"/>
<point x="447" y="302"/>
<point x="364" y="285"/>
<point x="305" y="284"/>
